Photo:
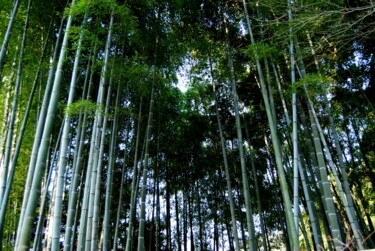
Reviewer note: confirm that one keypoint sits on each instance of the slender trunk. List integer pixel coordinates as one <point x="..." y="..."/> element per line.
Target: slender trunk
<point x="20" y="139"/>
<point x="190" y="212"/>
<point x="117" y="222"/>
<point x="328" y="200"/>
<point x="304" y="233"/>
<point x="4" y="45"/>
<point x="168" y="209"/>
<point x="109" y="181"/>
<point x="157" y="192"/>
<point x="295" y="125"/>
<point x="245" y="179"/>
<point x="133" y="191"/>
<point x="75" y="222"/>
<point x="5" y="118"/>
<point x="259" y="204"/>
<point x="141" y="230"/>
<point x="39" y="131"/>
<point x="226" y="167"/>
<point x="243" y="235"/>
<point x="43" y="204"/>
<point x="227" y="177"/>
<point x="12" y="119"/>
<point x="96" y="192"/>
<point x="342" y="168"/>
<point x="185" y="221"/>
<point x="319" y="131"/>
<point x="201" y="230"/>
<point x="43" y="149"/>
<point x="177" y="222"/>
<point x="62" y="163"/>
<point x="77" y="168"/>
<point x="276" y="145"/>
<point x="87" y="204"/>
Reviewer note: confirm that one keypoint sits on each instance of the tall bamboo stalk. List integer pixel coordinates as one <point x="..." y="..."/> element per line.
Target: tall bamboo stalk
<point x="121" y="195"/>
<point x="39" y="130"/>
<point x="134" y="184"/>
<point x="295" y="124"/>
<point x="245" y="179"/>
<point x="20" y="137"/>
<point x="64" y="147"/>
<point x="142" y="217"/>
<point x="44" y="145"/>
<point x="43" y="204"/>
<point x="77" y="169"/>
<point x="12" y="119"/>
<point x="4" y="45"/>
<point x="87" y="204"/>
<point x="109" y="181"/>
<point x="99" y="168"/>
<point x="276" y="145"/>
<point x="227" y="174"/>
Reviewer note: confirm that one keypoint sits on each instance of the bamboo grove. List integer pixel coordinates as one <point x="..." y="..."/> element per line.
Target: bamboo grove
<point x="270" y="147"/>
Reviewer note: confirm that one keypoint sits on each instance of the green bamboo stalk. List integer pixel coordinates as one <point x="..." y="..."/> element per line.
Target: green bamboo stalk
<point x="345" y="194"/>
<point x="354" y="224"/>
<point x="76" y="214"/>
<point x="117" y="222"/>
<point x="20" y="138"/>
<point x="109" y="181"/>
<point x="276" y="145"/>
<point x="257" y="194"/>
<point x="285" y="109"/>
<point x="313" y="167"/>
<point x="77" y="169"/>
<point x="245" y="179"/>
<point x="86" y="194"/>
<point x="96" y="203"/>
<point x="39" y="131"/>
<point x="4" y="45"/>
<point x="330" y="207"/>
<point x="134" y="184"/>
<point x="227" y="174"/>
<point x="64" y="147"/>
<point x="304" y="232"/>
<point x="43" y="149"/>
<point x="19" y="142"/>
<point x="310" y="204"/>
<point x="142" y="218"/>
<point x="294" y="122"/>
<point x="84" y="237"/>
<point x="11" y="122"/>
<point x="43" y="204"/>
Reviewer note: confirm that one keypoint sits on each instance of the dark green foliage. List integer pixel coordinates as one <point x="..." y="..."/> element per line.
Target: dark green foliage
<point x="153" y="42"/>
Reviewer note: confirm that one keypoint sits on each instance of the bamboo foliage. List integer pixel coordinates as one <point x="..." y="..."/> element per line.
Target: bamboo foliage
<point x="90" y="167"/>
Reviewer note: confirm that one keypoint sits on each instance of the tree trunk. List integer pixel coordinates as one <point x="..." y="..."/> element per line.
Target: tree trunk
<point x="142" y="218"/>
<point x="77" y="168"/>
<point x="43" y="148"/>
<point x="39" y="131"/>
<point x="245" y="179"/>
<point x="276" y="145"/>
<point x="134" y="186"/>
<point x="109" y="181"/>
<point x="8" y="32"/>
<point x="62" y="163"/>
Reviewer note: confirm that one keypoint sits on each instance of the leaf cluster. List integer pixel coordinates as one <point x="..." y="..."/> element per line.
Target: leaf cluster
<point x="260" y="51"/>
<point x="315" y="83"/>
<point x="80" y="106"/>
